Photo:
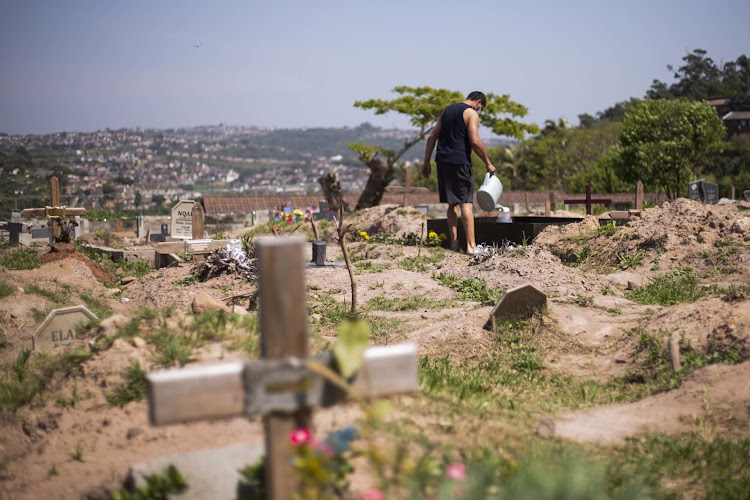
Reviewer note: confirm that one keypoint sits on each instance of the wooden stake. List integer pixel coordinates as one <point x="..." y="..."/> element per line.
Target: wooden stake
<point x="198" y="221"/>
<point x="674" y="354"/>
<point x="283" y="333"/>
<point x="421" y="235"/>
<point x="733" y="192"/>
<point x="54" y="185"/>
<point x="527" y="204"/>
<point x="639" y="195"/>
<point x="547" y="208"/>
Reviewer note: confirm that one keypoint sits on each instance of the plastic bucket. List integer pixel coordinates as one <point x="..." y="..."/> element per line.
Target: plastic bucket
<point x="489" y="192"/>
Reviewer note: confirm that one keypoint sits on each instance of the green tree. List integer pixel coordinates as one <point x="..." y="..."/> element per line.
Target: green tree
<point x="664" y="143"/>
<point x="424" y="105"/>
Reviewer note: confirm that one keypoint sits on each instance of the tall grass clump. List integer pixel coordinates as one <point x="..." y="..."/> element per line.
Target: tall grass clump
<point x="471" y="289"/>
<point x="6" y="289"/>
<point x="134" y="388"/>
<point x="680" y="285"/>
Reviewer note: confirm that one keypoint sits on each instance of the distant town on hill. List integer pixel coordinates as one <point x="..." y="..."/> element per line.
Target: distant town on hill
<point x="142" y="169"/>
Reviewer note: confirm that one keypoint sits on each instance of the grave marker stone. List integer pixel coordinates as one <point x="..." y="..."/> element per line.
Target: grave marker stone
<point x="14" y="231"/>
<point x="41" y="233"/>
<point x="703" y="191"/>
<point x="164" y="230"/>
<point x="521" y="301"/>
<point x="319" y="252"/>
<point x="181" y="223"/>
<point x="59" y="328"/>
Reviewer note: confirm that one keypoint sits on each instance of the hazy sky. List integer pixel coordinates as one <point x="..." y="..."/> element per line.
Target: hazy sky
<point x="85" y="65"/>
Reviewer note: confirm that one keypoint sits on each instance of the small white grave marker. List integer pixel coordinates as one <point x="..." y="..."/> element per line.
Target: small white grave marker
<point x="182" y="220"/>
<point x="59" y="328"/>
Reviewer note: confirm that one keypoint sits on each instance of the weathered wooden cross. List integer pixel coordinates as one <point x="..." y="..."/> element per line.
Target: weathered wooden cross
<point x="54" y="212"/>
<point x="283" y="386"/>
<point x="588" y="201"/>
<point x="407" y="188"/>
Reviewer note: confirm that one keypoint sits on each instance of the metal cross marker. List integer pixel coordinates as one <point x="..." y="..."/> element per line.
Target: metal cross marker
<point x="283" y="386"/>
<point x="406" y="188"/>
<point x="588" y="201"/>
<point x="54" y="212"/>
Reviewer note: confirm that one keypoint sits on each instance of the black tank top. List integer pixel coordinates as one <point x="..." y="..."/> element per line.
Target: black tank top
<point x="453" y="142"/>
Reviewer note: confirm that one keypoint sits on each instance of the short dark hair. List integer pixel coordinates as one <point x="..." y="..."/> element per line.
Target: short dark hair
<point x="477" y="96"/>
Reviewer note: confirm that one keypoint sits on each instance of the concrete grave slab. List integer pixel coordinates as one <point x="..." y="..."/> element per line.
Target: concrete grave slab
<point x="519" y="301"/>
<point x="210" y="473"/>
<point x="59" y="328"/>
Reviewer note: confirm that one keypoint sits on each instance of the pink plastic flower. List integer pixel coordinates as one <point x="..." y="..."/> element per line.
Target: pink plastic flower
<point x="290" y="219"/>
<point x="456" y="471"/>
<point x="322" y="448"/>
<point x="300" y="436"/>
<point x="373" y="494"/>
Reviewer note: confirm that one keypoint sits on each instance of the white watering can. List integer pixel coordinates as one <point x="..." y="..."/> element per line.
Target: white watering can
<point x="489" y="192"/>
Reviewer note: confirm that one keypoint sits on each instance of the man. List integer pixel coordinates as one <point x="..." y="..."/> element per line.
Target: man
<point x="457" y="135"/>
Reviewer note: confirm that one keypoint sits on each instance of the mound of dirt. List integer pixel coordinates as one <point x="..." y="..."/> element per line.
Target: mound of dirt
<point x="97" y="271"/>
<point x="676" y="234"/>
<point x="392" y="219"/>
<point x="720" y="390"/>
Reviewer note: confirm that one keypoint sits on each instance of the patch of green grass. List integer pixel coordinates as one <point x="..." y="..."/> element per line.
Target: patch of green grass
<point x="681" y="285"/>
<point x="167" y="484"/>
<point x="34" y="372"/>
<point x="607" y="290"/>
<point x="582" y="300"/>
<point x="173" y="348"/>
<point x="419" y="264"/>
<point x="711" y="469"/>
<point x="56" y="297"/>
<point x="6" y="289"/>
<point x="471" y="289"/>
<point x="96" y="306"/>
<point x="627" y="261"/>
<point x="20" y="258"/>
<point x="189" y="280"/>
<point x="38" y="315"/>
<point x="404" y="304"/>
<point x="382" y="326"/>
<point x="368" y="266"/>
<point x="134" y="388"/>
<point x="77" y="454"/>
<point x="332" y="311"/>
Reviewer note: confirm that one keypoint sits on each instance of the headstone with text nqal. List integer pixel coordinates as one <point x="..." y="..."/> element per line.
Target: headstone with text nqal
<point x="59" y="328"/>
<point x="182" y="220"/>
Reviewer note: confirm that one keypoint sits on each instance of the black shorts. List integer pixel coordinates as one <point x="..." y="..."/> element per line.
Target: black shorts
<point x="455" y="183"/>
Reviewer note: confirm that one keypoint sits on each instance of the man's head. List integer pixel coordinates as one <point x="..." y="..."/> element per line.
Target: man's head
<point x="479" y="98"/>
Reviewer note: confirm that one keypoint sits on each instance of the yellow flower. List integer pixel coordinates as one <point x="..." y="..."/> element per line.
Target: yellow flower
<point x="432" y="234"/>
<point x="364" y="235"/>
<point x="443" y="236"/>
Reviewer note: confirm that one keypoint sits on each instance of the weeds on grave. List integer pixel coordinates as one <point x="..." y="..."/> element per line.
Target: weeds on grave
<point x="75" y="397"/>
<point x="137" y="268"/>
<point x="368" y="266"/>
<point x="710" y="467"/>
<point x="189" y="280"/>
<point x="54" y="296"/>
<point x="20" y="258"/>
<point x="77" y="454"/>
<point x="405" y="304"/>
<point x="471" y="289"/>
<point x="96" y="306"/>
<point x="653" y="373"/>
<point x="419" y="264"/>
<point x="582" y="300"/>
<point x="160" y="486"/>
<point x="627" y="261"/>
<point x="34" y="372"/>
<point x="6" y="289"/>
<point x="134" y="388"/>
<point x="39" y="314"/>
<point x="680" y="285"/>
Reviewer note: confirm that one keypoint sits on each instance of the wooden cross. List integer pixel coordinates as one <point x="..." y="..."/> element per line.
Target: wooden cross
<point x="406" y="188"/>
<point x="54" y="212"/>
<point x="282" y="386"/>
<point x="588" y="201"/>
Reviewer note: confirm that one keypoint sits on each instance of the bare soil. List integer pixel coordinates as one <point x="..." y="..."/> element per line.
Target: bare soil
<point x="593" y="341"/>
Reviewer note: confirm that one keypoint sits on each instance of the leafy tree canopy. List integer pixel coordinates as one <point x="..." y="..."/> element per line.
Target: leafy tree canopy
<point x="663" y="143"/>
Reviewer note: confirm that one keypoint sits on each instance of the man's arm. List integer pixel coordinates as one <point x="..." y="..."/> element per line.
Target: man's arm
<point x="431" y="141"/>
<point x="476" y="143"/>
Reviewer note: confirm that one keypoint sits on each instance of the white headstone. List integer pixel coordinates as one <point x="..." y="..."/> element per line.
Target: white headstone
<point x="59" y="328"/>
<point x="182" y="220"/>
